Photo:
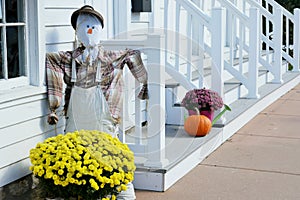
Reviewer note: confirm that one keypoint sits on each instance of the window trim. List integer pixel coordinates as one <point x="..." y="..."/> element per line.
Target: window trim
<point x="14" y="83"/>
<point x="36" y="42"/>
<point x="22" y="48"/>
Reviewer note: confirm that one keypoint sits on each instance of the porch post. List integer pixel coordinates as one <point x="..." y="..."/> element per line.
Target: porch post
<point x="278" y="45"/>
<point x="218" y="23"/>
<point x="296" y="68"/>
<point x="121" y="17"/>
<point x="253" y="53"/>
<point x="156" y="105"/>
<point x="217" y="49"/>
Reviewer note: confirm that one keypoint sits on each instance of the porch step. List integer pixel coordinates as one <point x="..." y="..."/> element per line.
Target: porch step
<point x="233" y="90"/>
<point x="170" y="81"/>
<point x="207" y="67"/>
<point x="193" y="150"/>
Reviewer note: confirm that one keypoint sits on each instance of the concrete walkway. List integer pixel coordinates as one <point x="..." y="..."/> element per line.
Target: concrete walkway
<point x="261" y="161"/>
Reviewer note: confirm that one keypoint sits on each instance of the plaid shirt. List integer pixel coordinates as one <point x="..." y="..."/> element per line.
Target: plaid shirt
<point x="59" y="70"/>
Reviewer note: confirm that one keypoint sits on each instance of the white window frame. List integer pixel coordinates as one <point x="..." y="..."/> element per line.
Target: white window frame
<point x="34" y="81"/>
<point x="22" y="80"/>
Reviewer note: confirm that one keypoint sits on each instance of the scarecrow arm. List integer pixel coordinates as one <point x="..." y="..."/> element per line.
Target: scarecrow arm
<point x="56" y="65"/>
<point x="135" y="64"/>
<point x="138" y="70"/>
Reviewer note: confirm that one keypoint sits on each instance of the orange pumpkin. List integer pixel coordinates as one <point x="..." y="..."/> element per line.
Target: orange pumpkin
<point x="197" y="125"/>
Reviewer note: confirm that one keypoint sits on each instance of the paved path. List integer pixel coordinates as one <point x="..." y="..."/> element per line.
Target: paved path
<point x="260" y="162"/>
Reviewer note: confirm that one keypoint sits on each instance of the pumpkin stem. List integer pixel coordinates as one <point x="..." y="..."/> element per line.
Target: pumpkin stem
<point x="197" y="111"/>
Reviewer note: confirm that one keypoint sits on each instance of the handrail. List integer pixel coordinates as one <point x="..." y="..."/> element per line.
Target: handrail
<point x="127" y="43"/>
<point x="292" y="59"/>
<point x="236" y="11"/>
<point x="285" y="11"/>
<point x="268" y="14"/>
<point x="193" y="8"/>
<point x="263" y="11"/>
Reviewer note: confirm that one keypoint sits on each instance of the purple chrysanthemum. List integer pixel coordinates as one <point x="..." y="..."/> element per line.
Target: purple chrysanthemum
<point x="202" y="98"/>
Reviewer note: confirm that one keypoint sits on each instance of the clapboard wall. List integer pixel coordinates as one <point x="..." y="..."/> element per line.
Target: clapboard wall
<point x="23" y="124"/>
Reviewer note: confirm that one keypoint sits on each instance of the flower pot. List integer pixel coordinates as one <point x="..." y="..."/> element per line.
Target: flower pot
<point x="208" y="113"/>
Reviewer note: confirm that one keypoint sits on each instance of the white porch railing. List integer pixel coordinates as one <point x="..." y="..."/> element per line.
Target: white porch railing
<point x="203" y="30"/>
<point x="151" y="145"/>
<point x="274" y="34"/>
<point x="206" y="26"/>
<point x="253" y="32"/>
<point x="290" y="46"/>
<point x="192" y="32"/>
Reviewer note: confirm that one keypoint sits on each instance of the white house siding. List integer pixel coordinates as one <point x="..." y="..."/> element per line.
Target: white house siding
<point x="23" y="124"/>
<point x="59" y="33"/>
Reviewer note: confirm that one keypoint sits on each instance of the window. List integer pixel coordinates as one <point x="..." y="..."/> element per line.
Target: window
<point x="12" y="39"/>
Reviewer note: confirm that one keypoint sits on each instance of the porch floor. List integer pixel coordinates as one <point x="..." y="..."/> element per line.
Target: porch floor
<point x="260" y="161"/>
<point x="178" y="145"/>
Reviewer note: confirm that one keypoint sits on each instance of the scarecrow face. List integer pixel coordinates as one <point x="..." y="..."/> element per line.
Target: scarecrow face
<point x="88" y="30"/>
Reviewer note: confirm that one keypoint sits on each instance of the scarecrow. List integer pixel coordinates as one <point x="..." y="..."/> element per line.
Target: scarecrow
<point x="93" y="80"/>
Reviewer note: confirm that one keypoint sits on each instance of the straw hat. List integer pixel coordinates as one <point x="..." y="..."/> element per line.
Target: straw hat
<point x="86" y="10"/>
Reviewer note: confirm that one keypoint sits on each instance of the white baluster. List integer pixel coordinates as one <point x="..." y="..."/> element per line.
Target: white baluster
<point x="177" y="36"/>
<point x="278" y="45"/>
<point x="217" y="48"/>
<point x="253" y="53"/>
<point x="189" y="46"/>
<point x="218" y="24"/>
<point x="296" y="68"/>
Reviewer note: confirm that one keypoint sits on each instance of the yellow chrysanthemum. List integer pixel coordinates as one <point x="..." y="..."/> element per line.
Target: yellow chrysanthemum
<point x="94" y="184"/>
<point x="60" y="172"/>
<point x="123" y="187"/>
<point x="84" y="158"/>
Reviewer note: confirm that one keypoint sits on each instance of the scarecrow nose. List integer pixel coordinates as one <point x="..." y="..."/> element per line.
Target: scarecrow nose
<point x="90" y="31"/>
